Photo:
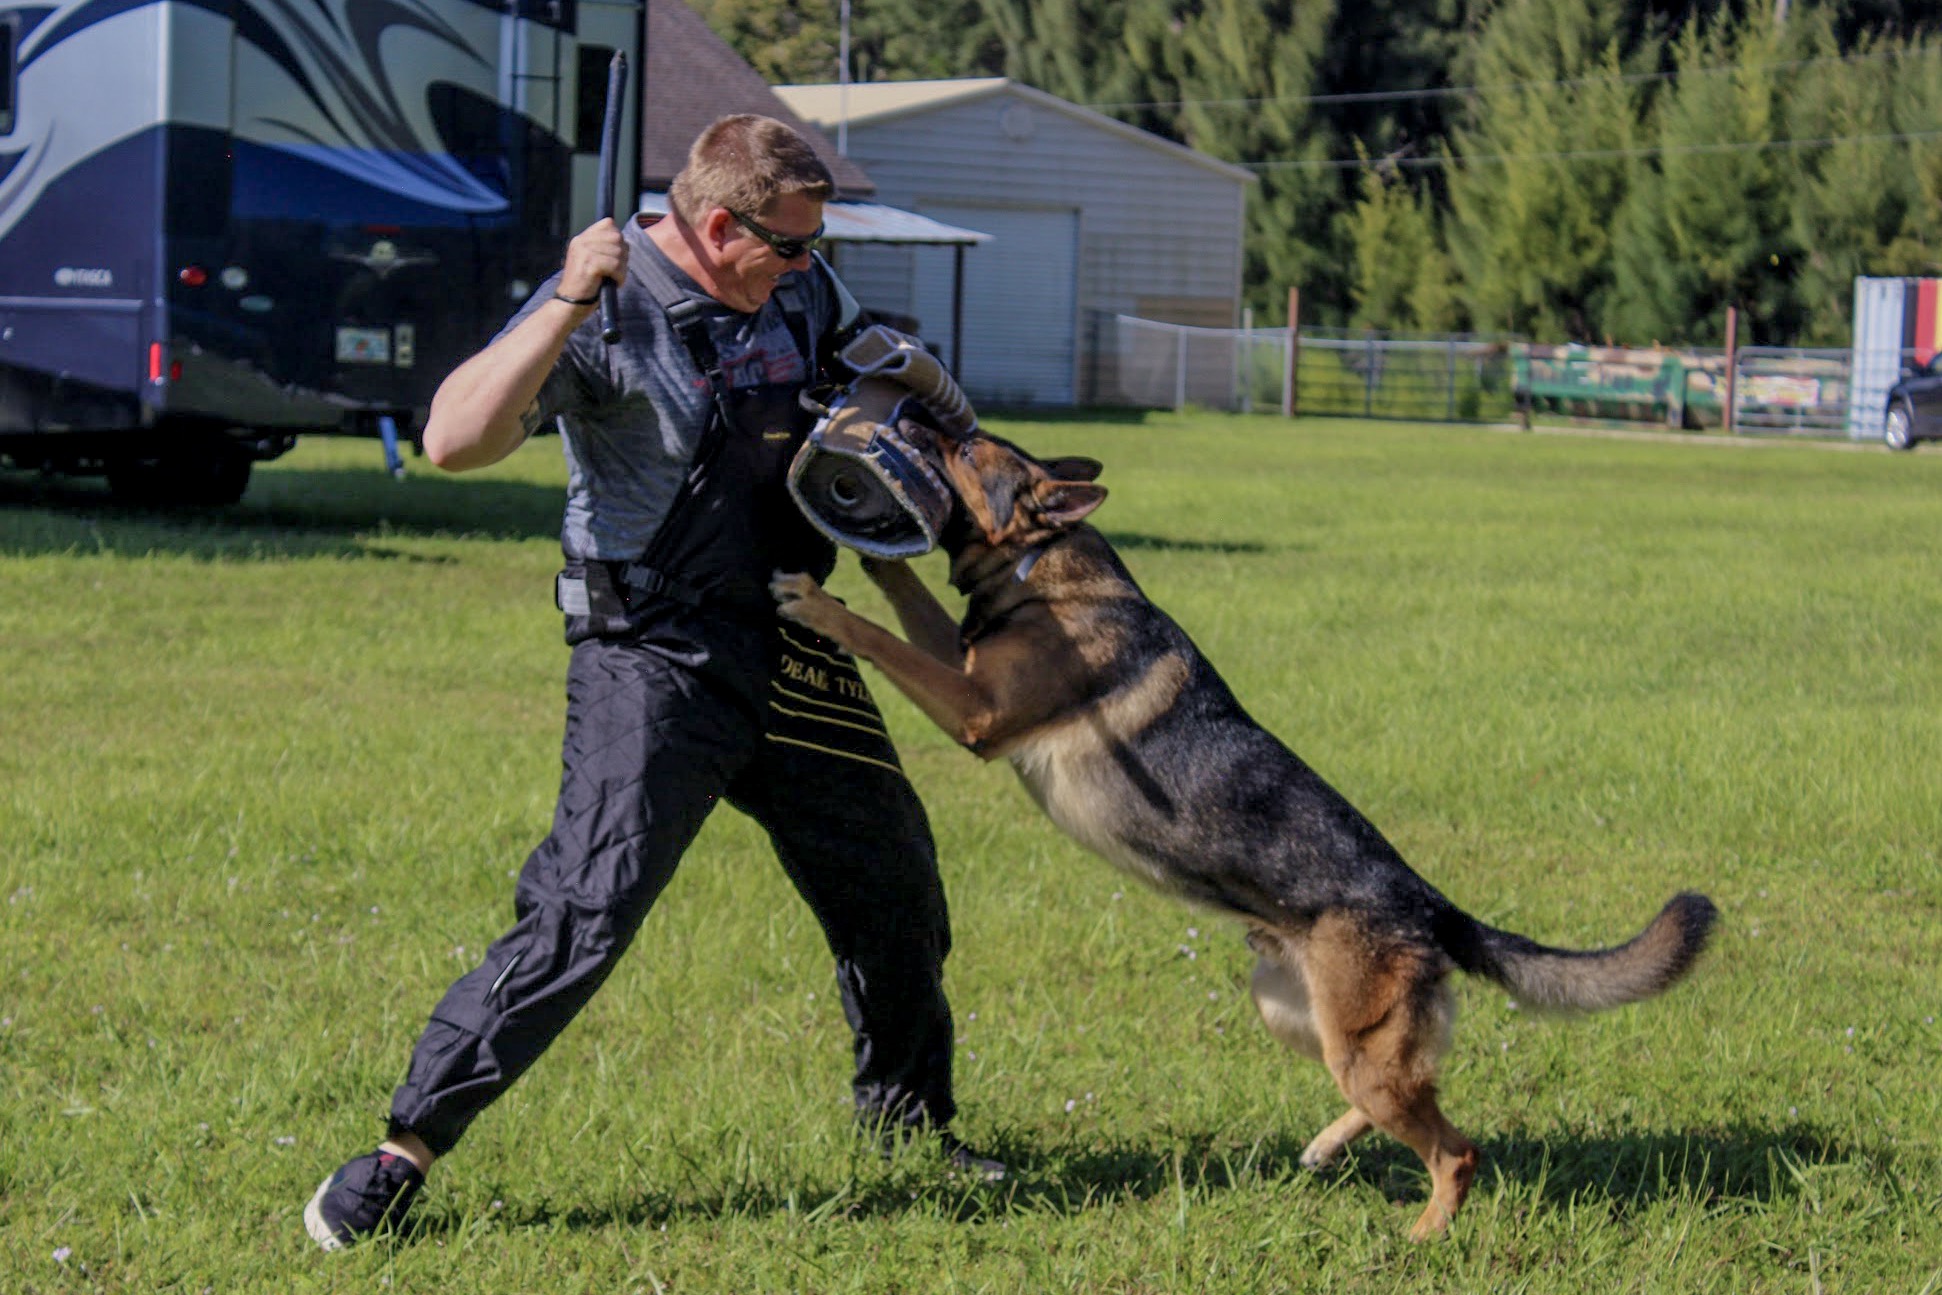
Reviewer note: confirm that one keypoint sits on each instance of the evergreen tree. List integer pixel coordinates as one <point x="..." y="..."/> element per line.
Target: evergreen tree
<point x="1084" y="50"/>
<point x="1578" y="196"/>
<point x="1707" y="225"/>
<point x="1849" y="199"/>
<point x="1540" y="165"/>
<point x="1394" y="46"/>
<point x="791" y="41"/>
<point x="785" y="40"/>
<point x="1916" y="114"/>
<point x="1402" y="279"/>
<point x="1244" y="71"/>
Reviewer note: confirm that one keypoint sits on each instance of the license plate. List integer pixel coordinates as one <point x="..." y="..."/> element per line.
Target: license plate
<point x="364" y="346"/>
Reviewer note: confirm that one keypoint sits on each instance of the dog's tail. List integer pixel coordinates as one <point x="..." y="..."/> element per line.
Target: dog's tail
<point x="1588" y="980"/>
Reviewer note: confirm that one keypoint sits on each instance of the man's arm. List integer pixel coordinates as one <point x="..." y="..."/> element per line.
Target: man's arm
<point x="487" y="406"/>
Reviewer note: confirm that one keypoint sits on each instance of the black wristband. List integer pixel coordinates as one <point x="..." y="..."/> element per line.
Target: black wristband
<point x="594" y="300"/>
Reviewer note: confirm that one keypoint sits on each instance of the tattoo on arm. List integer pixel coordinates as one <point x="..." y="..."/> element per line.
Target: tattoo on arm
<point x="529" y="419"/>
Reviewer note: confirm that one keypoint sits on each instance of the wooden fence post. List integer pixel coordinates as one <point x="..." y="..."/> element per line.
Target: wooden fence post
<point x="1290" y="402"/>
<point x="1732" y="364"/>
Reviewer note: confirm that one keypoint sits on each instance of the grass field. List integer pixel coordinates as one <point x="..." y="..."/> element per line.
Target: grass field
<point x="265" y="775"/>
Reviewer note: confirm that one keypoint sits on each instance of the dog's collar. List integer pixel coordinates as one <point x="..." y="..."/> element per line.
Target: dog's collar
<point x="975" y="625"/>
<point x="1026" y="563"/>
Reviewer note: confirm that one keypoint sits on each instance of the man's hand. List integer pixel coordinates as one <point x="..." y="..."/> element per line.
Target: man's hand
<point x="485" y="408"/>
<point x="596" y="254"/>
<point x="800" y="599"/>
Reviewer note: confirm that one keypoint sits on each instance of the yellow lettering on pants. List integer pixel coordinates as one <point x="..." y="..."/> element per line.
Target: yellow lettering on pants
<point x="815" y="676"/>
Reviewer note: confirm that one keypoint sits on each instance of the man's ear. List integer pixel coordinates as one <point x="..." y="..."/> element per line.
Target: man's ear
<point x="1060" y="504"/>
<point x="1073" y="468"/>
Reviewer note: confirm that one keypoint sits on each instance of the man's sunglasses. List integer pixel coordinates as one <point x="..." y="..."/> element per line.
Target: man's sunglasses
<point x="786" y="248"/>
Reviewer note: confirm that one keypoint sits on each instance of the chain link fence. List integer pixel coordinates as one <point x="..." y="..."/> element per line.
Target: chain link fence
<point x="1153" y="365"/>
<point x="1774" y="390"/>
<point x="1150" y="364"/>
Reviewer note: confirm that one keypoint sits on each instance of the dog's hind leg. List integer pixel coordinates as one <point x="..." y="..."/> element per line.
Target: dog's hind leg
<point x="1383" y="1017"/>
<point x="1281" y="996"/>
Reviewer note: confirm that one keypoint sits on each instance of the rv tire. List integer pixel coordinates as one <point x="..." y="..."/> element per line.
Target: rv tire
<point x="208" y="472"/>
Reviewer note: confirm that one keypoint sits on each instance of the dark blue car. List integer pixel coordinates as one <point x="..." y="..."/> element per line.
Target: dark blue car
<point x="1915" y="407"/>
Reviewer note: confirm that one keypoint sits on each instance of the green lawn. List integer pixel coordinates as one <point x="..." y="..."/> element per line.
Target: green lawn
<point x="265" y="775"/>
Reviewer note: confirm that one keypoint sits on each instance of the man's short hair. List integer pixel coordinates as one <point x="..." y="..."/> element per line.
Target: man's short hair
<point x="745" y="162"/>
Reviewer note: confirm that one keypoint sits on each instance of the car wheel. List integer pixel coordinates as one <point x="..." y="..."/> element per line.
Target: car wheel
<point x="1898" y="429"/>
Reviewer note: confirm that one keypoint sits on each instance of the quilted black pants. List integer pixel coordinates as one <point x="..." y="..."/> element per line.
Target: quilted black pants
<point x="650" y="746"/>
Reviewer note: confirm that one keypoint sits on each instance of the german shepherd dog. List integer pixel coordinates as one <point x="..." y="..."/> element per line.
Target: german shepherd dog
<point x="1129" y="740"/>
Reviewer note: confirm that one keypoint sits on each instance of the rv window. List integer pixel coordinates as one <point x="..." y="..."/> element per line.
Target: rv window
<point x="591" y="110"/>
<point x="9" y="36"/>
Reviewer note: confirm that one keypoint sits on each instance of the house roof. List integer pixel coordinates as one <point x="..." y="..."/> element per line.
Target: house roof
<point x="874" y="102"/>
<point x="693" y="77"/>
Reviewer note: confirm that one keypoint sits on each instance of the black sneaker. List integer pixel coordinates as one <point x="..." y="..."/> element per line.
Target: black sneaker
<point x="966" y="1161"/>
<point x="370" y="1194"/>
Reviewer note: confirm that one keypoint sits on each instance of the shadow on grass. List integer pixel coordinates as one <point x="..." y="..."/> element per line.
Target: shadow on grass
<point x="1050" y="416"/>
<point x="287" y="513"/>
<point x="1622" y="1174"/>
<point x="1133" y="541"/>
<point x="336" y="512"/>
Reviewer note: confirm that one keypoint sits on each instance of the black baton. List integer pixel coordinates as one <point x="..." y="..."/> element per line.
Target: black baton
<point x="604" y="188"/>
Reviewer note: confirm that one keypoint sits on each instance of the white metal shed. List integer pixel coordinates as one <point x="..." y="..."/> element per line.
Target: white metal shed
<point x="1090" y="218"/>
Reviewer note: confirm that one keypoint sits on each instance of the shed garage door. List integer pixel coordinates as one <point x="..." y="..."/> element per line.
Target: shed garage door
<point x="1020" y="302"/>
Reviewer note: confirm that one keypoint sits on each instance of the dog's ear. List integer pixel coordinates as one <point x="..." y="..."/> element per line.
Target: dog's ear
<point x="1074" y="467"/>
<point x="1062" y="504"/>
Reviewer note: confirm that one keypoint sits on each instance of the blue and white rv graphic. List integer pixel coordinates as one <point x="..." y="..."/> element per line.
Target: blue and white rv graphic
<point x="224" y="222"/>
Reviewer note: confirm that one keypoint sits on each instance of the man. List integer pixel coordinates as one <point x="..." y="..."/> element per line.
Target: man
<point x="683" y="686"/>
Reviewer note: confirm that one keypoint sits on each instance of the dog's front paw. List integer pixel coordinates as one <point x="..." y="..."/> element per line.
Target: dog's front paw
<point x="800" y="599"/>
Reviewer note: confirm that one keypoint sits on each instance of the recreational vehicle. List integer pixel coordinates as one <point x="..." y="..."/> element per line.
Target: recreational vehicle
<point x="226" y="223"/>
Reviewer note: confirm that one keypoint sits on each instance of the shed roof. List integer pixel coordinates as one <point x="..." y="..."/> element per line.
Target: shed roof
<point x="694" y="76"/>
<point x="872" y="102"/>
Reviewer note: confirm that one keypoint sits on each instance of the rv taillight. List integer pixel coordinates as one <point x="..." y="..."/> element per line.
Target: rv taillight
<point x="193" y="276"/>
<point x="160" y="369"/>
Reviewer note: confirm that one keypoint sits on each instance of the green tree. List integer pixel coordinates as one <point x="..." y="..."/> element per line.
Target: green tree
<point x="1402" y="278"/>
<point x="1916" y="115"/>
<point x="1707" y="223"/>
<point x="789" y="41"/>
<point x="1088" y="51"/>
<point x="1245" y="70"/>
<point x="785" y="40"/>
<point x="1539" y="165"/>
<point x="1851" y="199"/>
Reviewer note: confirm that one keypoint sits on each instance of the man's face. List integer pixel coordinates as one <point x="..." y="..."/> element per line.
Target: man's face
<point x="746" y="267"/>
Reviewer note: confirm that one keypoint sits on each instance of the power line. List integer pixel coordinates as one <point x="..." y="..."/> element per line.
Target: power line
<point x="1590" y="154"/>
<point x="1474" y="91"/>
